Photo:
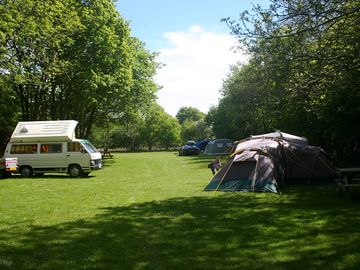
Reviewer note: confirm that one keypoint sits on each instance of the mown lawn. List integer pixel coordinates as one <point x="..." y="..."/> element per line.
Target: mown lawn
<point x="148" y="211"/>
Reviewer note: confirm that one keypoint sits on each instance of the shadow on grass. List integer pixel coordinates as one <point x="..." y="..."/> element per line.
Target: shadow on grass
<point x="48" y="176"/>
<point x="108" y="162"/>
<point x="203" y="161"/>
<point x="305" y="230"/>
<point x="198" y="159"/>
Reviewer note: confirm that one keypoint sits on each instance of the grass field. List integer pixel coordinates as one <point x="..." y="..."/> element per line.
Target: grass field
<point x="149" y="211"/>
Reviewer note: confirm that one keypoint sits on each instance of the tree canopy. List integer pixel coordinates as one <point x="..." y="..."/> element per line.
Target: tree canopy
<point x="189" y="113"/>
<point x="303" y="76"/>
<point x="72" y="59"/>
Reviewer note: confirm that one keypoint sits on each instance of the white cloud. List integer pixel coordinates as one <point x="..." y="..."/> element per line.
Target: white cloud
<point x="195" y="65"/>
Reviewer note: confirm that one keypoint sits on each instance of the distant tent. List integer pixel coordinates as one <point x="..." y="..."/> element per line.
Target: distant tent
<point x="266" y="162"/>
<point x="218" y="147"/>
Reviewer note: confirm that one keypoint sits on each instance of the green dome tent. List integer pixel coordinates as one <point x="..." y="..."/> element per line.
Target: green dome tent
<point x="266" y="162"/>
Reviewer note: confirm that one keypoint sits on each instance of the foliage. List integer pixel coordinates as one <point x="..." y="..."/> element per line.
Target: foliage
<point x="8" y="114"/>
<point x="189" y="113"/>
<point x="149" y="127"/>
<point x="193" y="124"/>
<point x="195" y="130"/>
<point x="169" y="132"/>
<point x="159" y="128"/>
<point x="73" y="59"/>
<point x="151" y="209"/>
<point x="188" y="131"/>
<point x="303" y="76"/>
<point x="239" y="113"/>
<point x="34" y="35"/>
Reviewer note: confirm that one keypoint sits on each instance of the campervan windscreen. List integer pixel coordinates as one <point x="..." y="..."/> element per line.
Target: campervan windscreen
<point x="89" y="147"/>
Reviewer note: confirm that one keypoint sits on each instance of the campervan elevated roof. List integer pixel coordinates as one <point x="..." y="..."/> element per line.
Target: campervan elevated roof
<point x="44" y="131"/>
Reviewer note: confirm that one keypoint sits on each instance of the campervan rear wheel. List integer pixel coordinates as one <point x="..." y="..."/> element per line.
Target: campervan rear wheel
<point x="26" y="171"/>
<point x="75" y="171"/>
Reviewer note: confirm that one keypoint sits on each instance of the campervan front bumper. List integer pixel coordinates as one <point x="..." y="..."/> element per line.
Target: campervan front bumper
<point x="95" y="164"/>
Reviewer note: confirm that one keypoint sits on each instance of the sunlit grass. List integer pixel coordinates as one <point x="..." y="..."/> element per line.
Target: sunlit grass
<point x="149" y="211"/>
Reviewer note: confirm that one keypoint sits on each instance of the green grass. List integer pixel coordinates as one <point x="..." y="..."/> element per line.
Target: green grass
<point x="148" y="211"/>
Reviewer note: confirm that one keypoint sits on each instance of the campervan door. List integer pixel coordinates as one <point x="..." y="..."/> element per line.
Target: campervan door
<point x="51" y="155"/>
<point x="77" y="155"/>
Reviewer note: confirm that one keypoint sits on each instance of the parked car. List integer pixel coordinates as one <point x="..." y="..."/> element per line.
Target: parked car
<point x="202" y="144"/>
<point x="189" y="149"/>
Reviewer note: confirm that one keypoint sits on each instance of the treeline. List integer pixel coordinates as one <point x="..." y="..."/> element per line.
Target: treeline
<point x="303" y="76"/>
<point x="153" y="130"/>
<point x="76" y="59"/>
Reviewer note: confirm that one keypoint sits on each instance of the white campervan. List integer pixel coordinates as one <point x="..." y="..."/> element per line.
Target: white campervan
<point x="50" y="146"/>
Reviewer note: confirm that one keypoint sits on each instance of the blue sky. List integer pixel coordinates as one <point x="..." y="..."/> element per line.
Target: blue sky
<point x="194" y="45"/>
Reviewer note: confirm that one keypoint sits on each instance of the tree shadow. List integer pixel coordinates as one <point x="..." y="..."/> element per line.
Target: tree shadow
<point x="227" y="231"/>
<point x="202" y="161"/>
<point x="109" y="162"/>
<point x="48" y="176"/>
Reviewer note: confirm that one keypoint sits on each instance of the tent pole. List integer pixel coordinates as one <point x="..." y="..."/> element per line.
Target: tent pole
<point x="222" y="179"/>
<point x="253" y="182"/>
<point x="276" y="184"/>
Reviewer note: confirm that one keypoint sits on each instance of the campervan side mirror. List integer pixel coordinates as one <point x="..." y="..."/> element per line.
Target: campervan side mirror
<point x="82" y="150"/>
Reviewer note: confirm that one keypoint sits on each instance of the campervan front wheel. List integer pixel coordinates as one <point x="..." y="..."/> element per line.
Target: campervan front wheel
<point x="75" y="171"/>
<point x="26" y="171"/>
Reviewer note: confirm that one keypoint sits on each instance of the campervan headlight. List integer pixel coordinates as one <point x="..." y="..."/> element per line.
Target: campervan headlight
<point x="92" y="163"/>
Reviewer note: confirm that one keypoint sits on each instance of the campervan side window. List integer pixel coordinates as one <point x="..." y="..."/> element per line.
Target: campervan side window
<point x="73" y="147"/>
<point x="23" y="149"/>
<point x="51" y="148"/>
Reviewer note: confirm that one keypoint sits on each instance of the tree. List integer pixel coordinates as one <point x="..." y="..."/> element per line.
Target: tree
<point x="169" y="132"/>
<point x="73" y="59"/>
<point x="188" y="131"/>
<point x="247" y="106"/>
<point x="99" y="79"/>
<point x="193" y="125"/>
<point x="159" y="128"/>
<point x="34" y="35"/>
<point x="305" y="60"/>
<point x="8" y="114"/>
<point x="189" y="113"/>
<point x="195" y="130"/>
